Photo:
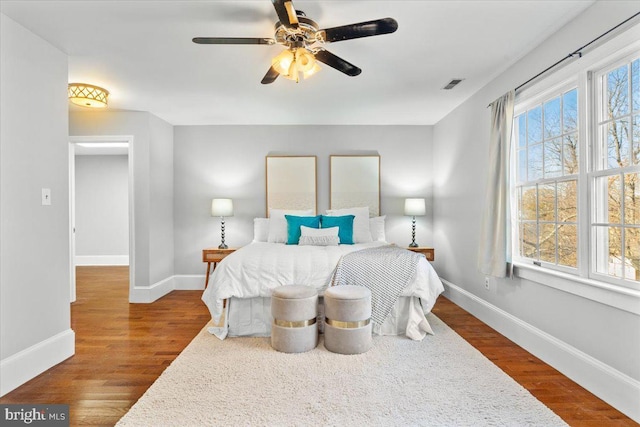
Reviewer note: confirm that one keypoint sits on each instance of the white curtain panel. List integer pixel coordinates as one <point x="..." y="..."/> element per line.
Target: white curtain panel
<point x="494" y="237"/>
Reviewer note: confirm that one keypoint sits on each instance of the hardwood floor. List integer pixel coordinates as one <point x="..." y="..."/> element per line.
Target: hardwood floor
<point x="574" y="404"/>
<point x="122" y="348"/>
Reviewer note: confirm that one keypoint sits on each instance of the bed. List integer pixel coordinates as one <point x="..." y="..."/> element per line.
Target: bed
<point x="246" y="278"/>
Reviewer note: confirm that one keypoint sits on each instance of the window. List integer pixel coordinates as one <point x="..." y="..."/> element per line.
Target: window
<point x="577" y="175"/>
<point x="547" y="152"/>
<point x="615" y="182"/>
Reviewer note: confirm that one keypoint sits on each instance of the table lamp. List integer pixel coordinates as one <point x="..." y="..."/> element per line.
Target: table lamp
<point x="413" y="208"/>
<point x="222" y="208"/>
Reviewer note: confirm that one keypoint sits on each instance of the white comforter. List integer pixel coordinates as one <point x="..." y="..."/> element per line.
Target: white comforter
<point x="256" y="269"/>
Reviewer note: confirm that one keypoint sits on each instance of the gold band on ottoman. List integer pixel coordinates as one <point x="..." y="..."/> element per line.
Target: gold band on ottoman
<point x="347" y="325"/>
<point x="294" y="324"/>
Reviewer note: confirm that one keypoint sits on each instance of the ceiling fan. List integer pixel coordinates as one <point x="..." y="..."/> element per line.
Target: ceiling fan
<point x="305" y="42"/>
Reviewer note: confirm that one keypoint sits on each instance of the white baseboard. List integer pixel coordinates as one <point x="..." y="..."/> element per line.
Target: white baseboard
<point x="159" y="289"/>
<point x="21" y="367"/>
<point x="83" y="260"/>
<point x="619" y="390"/>
<point x="151" y="293"/>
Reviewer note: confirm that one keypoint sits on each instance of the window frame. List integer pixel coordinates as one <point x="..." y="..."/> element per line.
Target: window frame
<point x="521" y="107"/>
<point x="596" y="168"/>
<point x="580" y="281"/>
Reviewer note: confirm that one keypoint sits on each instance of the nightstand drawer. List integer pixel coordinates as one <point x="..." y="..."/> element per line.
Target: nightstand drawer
<point x="215" y="255"/>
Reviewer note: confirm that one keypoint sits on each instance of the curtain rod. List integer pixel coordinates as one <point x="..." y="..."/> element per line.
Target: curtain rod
<point x="577" y="52"/>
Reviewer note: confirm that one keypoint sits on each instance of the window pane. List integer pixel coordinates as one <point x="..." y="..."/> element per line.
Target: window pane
<point x="521" y="238"/>
<point x="529" y="203"/>
<point x="534" y="125"/>
<point x="547" y="243"/>
<point x="521" y="130"/>
<point x="535" y="162"/>
<point x="618" y="144"/>
<point x="608" y="199"/>
<point x="632" y="244"/>
<point x="617" y="92"/>
<point x="570" y="110"/>
<point x="568" y="201"/>
<point x="522" y="165"/>
<point x="614" y="205"/>
<point x="553" y="158"/>
<point x="609" y="251"/>
<point x="568" y="245"/>
<point x="635" y="84"/>
<point x="636" y="140"/>
<point x="570" y="153"/>
<point x="552" y="118"/>
<point x="519" y="197"/>
<point x="547" y="202"/>
<point x="530" y="240"/>
<point x="632" y="198"/>
<point x="615" y="251"/>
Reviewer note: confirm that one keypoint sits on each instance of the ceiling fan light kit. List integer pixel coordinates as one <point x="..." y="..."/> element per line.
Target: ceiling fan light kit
<point x="305" y="42"/>
<point x="291" y="63"/>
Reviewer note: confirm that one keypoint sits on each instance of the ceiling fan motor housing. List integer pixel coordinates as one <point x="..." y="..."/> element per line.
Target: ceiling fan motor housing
<point x="307" y="32"/>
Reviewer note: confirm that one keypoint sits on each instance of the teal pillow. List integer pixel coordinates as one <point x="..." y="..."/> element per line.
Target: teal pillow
<point x="294" y="223"/>
<point x="345" y="224"/>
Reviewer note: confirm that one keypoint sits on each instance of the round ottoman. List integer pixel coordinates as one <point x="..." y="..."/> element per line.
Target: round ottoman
<point x="347" y="311"/>
<point x="294" y="309"/>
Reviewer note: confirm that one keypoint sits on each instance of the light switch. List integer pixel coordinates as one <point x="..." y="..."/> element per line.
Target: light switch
<point x="46" y="196"/>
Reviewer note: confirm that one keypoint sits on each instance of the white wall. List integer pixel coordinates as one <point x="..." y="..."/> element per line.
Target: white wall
<point x="102" y="209"/>
<point x="35" y="324"/>
<point x="229" y="161"/>
<point x="594" y="343"/>
<point x="161" y="244"/>
<point x="152" y="154"/>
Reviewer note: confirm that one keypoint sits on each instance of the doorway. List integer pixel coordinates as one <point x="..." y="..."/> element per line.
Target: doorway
<point x="93" y="150"/>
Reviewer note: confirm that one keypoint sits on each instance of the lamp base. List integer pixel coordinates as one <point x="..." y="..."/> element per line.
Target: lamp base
<point x="223" y="246"/>
<point x="413" y="243"/>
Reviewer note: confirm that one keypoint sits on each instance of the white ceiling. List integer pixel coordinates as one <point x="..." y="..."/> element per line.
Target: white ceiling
<point x="141" y="51"/>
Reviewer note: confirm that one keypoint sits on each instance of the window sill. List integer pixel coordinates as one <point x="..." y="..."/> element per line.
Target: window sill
<point x="615" y="296"/>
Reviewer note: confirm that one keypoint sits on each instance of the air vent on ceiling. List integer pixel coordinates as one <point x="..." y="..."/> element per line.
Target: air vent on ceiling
<point x="453" y="83"/>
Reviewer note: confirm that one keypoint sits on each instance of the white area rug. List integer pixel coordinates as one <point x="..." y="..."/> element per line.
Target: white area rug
<point x="440" y="381"/>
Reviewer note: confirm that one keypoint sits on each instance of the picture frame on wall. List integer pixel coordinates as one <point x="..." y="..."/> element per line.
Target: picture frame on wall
<point x="355" y="182"/>
<point x="291" y="182"/>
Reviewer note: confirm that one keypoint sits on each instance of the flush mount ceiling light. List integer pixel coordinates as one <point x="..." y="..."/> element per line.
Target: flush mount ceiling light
<point x="87" y="95"/>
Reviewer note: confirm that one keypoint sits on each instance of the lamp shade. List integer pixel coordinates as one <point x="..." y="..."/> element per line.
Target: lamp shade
<point x="222" y="207"/>
<point x="414" y="207"/>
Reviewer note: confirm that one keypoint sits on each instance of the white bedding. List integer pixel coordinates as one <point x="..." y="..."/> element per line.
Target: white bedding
<point x="256" y="269"/>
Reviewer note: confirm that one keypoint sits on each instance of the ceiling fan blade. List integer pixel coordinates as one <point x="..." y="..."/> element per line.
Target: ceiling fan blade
<point x="338" y="63"/>
<point x="286" y="13"/>
<point x="362" y="29"/>
<point x="233" y="40"/>
<point x="270" y="77"/>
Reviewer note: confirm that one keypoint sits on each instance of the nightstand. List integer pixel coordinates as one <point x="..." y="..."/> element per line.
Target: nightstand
<point x="429" y="253"/>
<point x="214" y="255"/>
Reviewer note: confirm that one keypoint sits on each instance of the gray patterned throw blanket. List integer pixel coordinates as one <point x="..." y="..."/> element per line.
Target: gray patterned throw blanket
<point x="385" y="270"/>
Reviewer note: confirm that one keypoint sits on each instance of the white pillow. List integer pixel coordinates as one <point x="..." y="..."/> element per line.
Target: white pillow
<point x="260" y="229"/>
<point x="319" y="240"/>
<point x="376" y="225"/>
<point x="278" y="223"/>
<point x="361" y="231"/>
<point x="319" y="232"/>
